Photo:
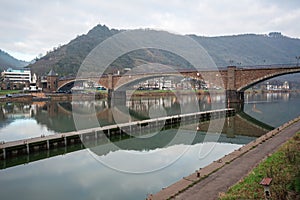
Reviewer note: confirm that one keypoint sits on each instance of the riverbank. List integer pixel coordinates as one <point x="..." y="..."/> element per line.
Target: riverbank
<point x="284" y="169"/>
<point x="208" y="182"/>
<point x="139" y="93"/>
<point x="40" y="96"/>
<point x="5" y="92"/>
<point x="31" y="97"/>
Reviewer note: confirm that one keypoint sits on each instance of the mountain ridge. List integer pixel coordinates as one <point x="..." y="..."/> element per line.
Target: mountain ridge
<point x="273" y="48"/>
<point x="8" y="61"/>
<point x="240" y="50"/>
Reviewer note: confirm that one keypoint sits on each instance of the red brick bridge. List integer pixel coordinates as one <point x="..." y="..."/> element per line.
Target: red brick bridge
<point x="234" y="80"/>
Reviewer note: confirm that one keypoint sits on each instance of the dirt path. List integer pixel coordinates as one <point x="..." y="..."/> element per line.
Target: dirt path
<point x="229" y="174"/>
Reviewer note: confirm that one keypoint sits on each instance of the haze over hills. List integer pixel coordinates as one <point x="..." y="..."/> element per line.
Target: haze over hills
<point x="244" y="50"/>
<point x="251" y="49"/>
<point x="7" y="61"/>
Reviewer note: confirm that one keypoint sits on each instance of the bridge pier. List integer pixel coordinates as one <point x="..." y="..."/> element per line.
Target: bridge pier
<point x="233" y="96"/>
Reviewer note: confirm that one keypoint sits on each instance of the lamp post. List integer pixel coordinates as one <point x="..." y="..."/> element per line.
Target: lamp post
<point x="297" y="57"/>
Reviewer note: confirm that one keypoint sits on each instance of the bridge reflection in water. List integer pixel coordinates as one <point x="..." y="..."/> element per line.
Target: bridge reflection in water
<point x="239" y="129"/>
<point x="58" y="116"/>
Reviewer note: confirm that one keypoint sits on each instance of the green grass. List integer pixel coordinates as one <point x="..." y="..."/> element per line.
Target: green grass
<point x="4" y="92"/>
<point x="283" y="166"/>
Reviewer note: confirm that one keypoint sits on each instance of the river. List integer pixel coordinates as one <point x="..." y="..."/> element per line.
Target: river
<point x="132" y="170"/>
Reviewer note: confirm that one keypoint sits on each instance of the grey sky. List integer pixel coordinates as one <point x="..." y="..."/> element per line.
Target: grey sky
<point x="30" y="27"/>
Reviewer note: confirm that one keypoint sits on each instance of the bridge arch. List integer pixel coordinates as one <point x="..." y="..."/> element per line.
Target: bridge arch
<point x="141" y="73"/>
<point x="253" y="82"/>
<point x="69" y="84"/>
<point x="122" y="84"/>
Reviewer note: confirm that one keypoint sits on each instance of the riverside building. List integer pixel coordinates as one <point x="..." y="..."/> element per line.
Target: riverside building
<point x="19" y="79"/>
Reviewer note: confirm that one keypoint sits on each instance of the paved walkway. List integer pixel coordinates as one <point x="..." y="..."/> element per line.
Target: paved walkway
<point x="241" y="163"/>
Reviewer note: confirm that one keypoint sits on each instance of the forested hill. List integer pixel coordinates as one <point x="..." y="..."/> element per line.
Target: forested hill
<point x="251" y="49"/>
<point x="248" y="49"/>
<point x="66" y="59"/>
<point x="7" y="61"/>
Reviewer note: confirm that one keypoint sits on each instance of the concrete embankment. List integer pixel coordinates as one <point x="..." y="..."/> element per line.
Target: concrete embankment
<point x="41" y="96"/>
<point x="208" y="182"/>
<point x="52" y="97"/>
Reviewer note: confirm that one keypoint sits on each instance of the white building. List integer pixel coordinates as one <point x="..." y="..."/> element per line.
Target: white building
<point x="21" y="76"/>
<point x="286" y="85"/>
<point x="17" y="76"/>
<point x="273" y="87"/>
<point x="33" y="86"/>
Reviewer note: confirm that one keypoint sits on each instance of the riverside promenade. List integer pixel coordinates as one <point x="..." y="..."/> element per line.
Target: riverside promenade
<point x="209" y="182"/>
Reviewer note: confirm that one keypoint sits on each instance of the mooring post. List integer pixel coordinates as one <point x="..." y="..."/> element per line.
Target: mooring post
<point x="4" y="153"/>
<point x="65" y="140"/>
<point x="27" y="147"/>
<point x="96" y="135"/>
<point x="130" y="128"/>
<point x="48" y="144"/>
<point x="140" y="129"/>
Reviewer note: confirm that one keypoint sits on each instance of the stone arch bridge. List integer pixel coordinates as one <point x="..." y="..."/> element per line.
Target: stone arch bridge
<point x="234" y="80"/>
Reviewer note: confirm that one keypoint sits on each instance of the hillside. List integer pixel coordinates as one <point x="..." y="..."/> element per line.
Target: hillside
<point x="67" y="59"/>
<point x="7" y="61"/>
<point x="251" y="49"/>
<point x="248" y="49"/>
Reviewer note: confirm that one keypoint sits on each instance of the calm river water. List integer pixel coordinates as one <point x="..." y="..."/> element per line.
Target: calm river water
<point x="128" y="169"/>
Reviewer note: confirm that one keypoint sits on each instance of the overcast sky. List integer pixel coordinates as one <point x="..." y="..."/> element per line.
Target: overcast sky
<point x="31" y="27"/>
